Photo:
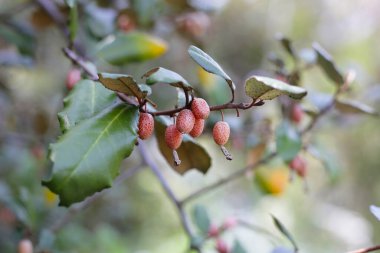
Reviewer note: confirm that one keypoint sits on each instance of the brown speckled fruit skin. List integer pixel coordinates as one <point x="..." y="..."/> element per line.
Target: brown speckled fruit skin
<point x="185" y="121"/>
<point x="200" y="108"/>
<point x="173" y="137"/>
<point x="198" y="128"/>
<point x="221" y="132"/>
<point x="146" y="125"/>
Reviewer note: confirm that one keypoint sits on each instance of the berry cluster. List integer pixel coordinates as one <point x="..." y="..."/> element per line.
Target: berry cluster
<point x="187" y="121"/>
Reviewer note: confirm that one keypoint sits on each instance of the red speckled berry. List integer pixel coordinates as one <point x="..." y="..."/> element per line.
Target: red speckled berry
<point x="146" y="125"/>
<point x="221" y="132"/>
<point x="173" y="137"/>
<point x="298" y="164"/>
<point x="200" y="108"/>
<point x="198" y="128"/>
<point x="25" y="246"/>
<point x="185" y="121"/>
<point x="73" y="76"/>
<point x="296" y="113"/>
<point x="213" y="231"/>
<point x="221" y="246"/>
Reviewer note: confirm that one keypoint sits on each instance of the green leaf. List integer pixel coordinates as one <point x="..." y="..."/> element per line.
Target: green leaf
<point x="288" y="141"/>
<point x="285" y="232"/>
<point x="326" y="62"/>
<point x="265" y="88"/>
<point x="87" y="158"/>
<point x="85" y="100"/>
<point x="162" y="75"/>
<point x="70" y="3"/>
<point x="238" y="248"/>
<point x="354" y="107"/>
<point x="124" y="84"/>
<point x="132" y="47"/>
<point x="191" y="154"/>
<point x="181" y="98"/>
<point x="327" y="160"/>
<point x="201" y="218"/>
<point x="73" y="21"/>
<point x="209" y="64"/>
<point x="375" y="211"/>
<point x="286" y="43"/>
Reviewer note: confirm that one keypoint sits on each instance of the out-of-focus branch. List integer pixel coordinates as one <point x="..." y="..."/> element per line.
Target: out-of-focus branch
<point x="365" y="250"/>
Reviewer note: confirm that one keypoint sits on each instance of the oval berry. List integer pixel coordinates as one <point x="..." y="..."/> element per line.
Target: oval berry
<point x="198" y="128"/>
<point x="185" y="121"/>
<point x="73" y="76"/>
<point x="146" y="125"/>
<point x="298" y="164"/>
<point x="25" y="246"/>
<point x="200" y="108"/>
<point x="221" y="132"/>
<point x="173" y="137"/>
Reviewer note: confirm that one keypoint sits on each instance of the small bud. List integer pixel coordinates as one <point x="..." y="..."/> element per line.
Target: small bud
<point x="198" y="128"/>
<point x="25" y="246"/>
<point x="229" y="223"/>
<point x="221" y="246"/>
<point x="298" y="164"/>
<point x="200" y="108"/>
<point x="73" y="76"/>
<point x="185" y="121"/>
<point x="145" y="126"/>
<point x="173" y="137"/>
<point x="296" y="113"/>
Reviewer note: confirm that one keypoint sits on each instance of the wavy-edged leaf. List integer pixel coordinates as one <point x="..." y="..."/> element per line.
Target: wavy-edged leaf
<point x="124" y="84"/>
<point x="87" y="158"/>
<point x="354" y="107"/>
<point x="86" y="99"/>
<point x="201" y="218"/>
<point x="285" y="232"/>
<point x="265" y="88"/>
<point x="191" y="154"/>
<point x="162" y="75"/>
<point x="288" y="141"/>
<point x="209" y="64"/>
<point x="132" y="47"/>
<point x="375" y="210"/>
<point x="326" y="62"/>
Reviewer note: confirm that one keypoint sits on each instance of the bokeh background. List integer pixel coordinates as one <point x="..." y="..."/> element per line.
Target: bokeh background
<point x="135" y="215"/>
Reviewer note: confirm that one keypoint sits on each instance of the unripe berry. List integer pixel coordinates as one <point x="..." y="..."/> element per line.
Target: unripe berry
<point x="185" y="121"/>
<point x="200" y="108"/>
<point x="298" y="164"/>
<point x="296" y="113"/>
<point x="173" y="137"/>
<point x="221" y="132"/>
<point x="221" y="246"/>
<point x="146" y="125"/>
<point x="213" y="231"/>
<point x="198" y="128"/>
<point x="25" y="246"/>
<point x="73" y="76"/>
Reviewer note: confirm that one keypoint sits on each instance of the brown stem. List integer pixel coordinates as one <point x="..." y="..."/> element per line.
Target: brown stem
<point x="365" y="250"/>
<point x="169" y="192"/>
<point x="77" y="60"/>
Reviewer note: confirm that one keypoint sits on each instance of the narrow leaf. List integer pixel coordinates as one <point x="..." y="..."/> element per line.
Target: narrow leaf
<point x="162" y="75"/>
<point x="84" y="101"/>
<point x="209" y="64"/>
<point x="201" y="218"/>
<point x="124" y="84"/>
<point x="191" y="154"/>
<point x="288" y="141"/>
<point x="132" y="47"/>
<point x="285" y="232"/>
<point x="265" y="88"/>
<point x="327" y="64"/>
<point x="354" y="107"/>
<point x="73" y="21"/>
<point x="238" y="248"/>
<point x="87" y="158"/>
<point x="375" y="211"/>
<point x="286" y="43"/>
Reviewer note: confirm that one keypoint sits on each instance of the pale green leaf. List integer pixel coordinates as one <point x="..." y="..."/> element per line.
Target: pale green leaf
<point x="265" y="88"/>
<point x="354" y="107"/>
<point x="87" y="158"/>
<point x="285" y="232"/>
<point x="209" y="64"/>
<point x="201" y="218"/>
<point x="162" y="75"/>
<point x="238" y="248"/>
<point x="85" y="100"/>
<point x="288" y="141"/>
